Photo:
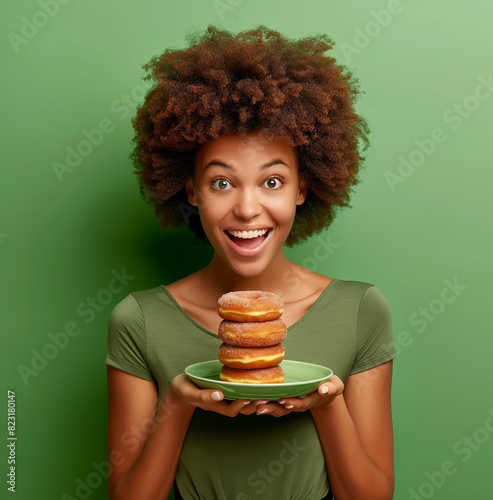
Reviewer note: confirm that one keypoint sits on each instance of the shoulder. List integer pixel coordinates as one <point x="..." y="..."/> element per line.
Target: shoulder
<point x="353" y="286"/>
<point x="368" y="293"/>
<point x="364" y="301"/>
<point x="124" y="310"/>
<point x="371" y="307"/>
<point x="127" y="338"/>
<point x="345" y="291"/>
<point x="374" y="339"/>
<point x="131" y="308"/>
<point x="306" y="282"/>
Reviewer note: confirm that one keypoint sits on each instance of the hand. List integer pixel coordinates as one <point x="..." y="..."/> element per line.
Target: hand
<point x="184" y="391"/>
<point x="324" y="395"/>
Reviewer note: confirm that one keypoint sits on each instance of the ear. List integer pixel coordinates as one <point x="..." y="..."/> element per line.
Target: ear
<point x="302" y="190"/>
<point x="191" y="194"/>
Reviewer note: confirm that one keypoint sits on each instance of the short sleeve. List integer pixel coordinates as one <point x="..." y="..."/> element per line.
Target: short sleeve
<point x="374" y="342"/>
<point x="127" y="339"/>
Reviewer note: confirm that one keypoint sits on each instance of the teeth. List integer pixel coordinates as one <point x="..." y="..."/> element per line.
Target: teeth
<point x="248" y="234"/>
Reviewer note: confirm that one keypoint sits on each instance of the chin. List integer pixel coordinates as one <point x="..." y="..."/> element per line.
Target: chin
<point x="247" y="266"/>
<point x="248" y="270"/>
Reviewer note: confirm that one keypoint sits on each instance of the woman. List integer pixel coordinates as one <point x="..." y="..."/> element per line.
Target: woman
<point x="252" y="141"/>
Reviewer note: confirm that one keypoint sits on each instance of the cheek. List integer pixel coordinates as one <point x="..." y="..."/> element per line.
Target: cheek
<point x="211" y="213"/>
<point x="283" y="210"/>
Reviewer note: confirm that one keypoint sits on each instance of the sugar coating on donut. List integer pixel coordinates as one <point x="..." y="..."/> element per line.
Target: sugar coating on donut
<point x="250" y="305"/>
<point x="250" y="357"/>
<point x="270" y="375"/>
<point x="252" y="334"/>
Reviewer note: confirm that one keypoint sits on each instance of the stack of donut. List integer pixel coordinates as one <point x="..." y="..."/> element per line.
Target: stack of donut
<point x="252" y="333"/>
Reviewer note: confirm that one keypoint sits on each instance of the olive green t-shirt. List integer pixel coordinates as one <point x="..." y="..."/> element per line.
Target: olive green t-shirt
<point x="348" y="329"/>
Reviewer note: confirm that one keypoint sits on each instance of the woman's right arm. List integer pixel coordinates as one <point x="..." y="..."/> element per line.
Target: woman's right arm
<point x="147" y="443"/>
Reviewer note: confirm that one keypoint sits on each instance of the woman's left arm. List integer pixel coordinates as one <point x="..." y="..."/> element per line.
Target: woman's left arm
<point x="354" y="428"/>
<point x="355" y="431"/>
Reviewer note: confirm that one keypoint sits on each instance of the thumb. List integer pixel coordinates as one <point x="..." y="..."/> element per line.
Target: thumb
<point x="193" y="394"/>
<point x="332" y="387"/>
<point x="211" y="395"/>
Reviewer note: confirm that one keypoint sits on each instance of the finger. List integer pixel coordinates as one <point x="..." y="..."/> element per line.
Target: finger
<point x="287" y="404"/>
<point x="193" y="394"/>
<point x="276" y="410"/>
<point x="249" y="409"/>
<point x="235" y="407"/>
<point x="245" y="401"/>
<point x="332" y="387"/>
<point x="208" y="396"/>
<point x="300" y="404"/>
<point x="269" y="408"/>
<point x="225" y="407"/>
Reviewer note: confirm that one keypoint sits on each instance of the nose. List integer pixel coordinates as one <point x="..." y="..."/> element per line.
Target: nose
<point x="247" y="204"/>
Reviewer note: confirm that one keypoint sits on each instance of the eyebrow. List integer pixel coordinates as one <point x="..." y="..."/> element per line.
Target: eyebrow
<point x="219" y="163"/>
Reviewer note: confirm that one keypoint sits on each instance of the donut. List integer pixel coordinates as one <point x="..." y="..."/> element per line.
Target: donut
<point x="270" y="375"/>
<point x="251" y="305"/>
<point x="252" y="334"/>
<point x="250" y="357"/>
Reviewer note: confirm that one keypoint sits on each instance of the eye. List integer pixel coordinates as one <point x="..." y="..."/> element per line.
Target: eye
<point x="273" y="183"/>
<point x="221" y="184"/>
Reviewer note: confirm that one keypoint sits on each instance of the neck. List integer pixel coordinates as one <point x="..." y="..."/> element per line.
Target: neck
<point x="223" y="279"/>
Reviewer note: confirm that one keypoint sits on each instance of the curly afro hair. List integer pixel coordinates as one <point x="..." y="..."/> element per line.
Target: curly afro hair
<point x="255" y="81"/>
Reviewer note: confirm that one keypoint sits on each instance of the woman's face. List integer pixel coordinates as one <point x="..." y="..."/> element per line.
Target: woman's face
<point x="247" y="192"/>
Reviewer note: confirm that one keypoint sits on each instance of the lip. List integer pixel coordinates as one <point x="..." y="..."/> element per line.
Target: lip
<point x="248" y="252"/>
<point x="248" y="228"/>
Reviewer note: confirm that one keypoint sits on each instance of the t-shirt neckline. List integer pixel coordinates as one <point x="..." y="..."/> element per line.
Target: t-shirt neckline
<point x="209" y="332"/>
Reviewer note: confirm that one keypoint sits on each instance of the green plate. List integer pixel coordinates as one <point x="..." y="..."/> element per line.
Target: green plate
<point x="300" y="379"/>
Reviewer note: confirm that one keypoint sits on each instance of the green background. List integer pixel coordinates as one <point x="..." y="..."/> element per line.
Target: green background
<point x="60" y="240"/>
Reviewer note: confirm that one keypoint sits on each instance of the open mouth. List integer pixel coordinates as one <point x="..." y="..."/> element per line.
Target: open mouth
<point x="248" y="239"/>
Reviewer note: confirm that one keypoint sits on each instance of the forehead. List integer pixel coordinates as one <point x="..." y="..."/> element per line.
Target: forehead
<point x="255" y="149"/>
